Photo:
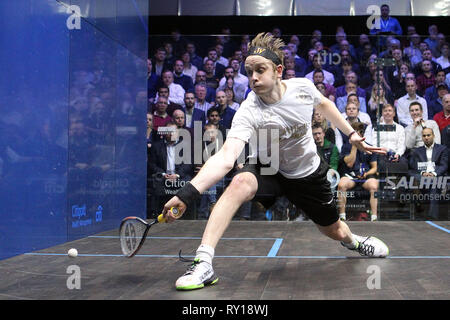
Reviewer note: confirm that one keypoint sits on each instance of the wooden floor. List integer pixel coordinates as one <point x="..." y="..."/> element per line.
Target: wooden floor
<point x="254" y="261"/>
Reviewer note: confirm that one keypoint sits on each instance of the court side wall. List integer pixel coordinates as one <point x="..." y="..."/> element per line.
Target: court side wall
<point x="72" y="133"/>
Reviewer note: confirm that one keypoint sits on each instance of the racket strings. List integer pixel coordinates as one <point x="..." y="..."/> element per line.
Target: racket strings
<point x="131" y="236"/>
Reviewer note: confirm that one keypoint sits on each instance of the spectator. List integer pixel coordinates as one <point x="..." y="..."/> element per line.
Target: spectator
<point x="178" y="42"/>
<point x="352" y="115"/>
<point x="180" y="78"/>
<point x="390" y="136"/>
<point x="220" y="58"/>
<point x="196" y="60"/>
<point x="432" y="40"/>
<point x="322" y="88"/>
<point x="404" y="102"/>
<point x="200" y="78"/>
<point x="318" y="118"/>
<point x="218" y="68"/>
<point x="192" y="114"/>
<point x="436" y="105"/>
<point x="413" y="52"/>
<point x="225" y="112"/>
<point x="327" y="150"/>
<point x="289" y="74"/>
<point x="176" y="92"/>
<point x="200" y="97"/>
<point x="170" y="57"/>
<point x="398" y="79"/>
<point x="443" y="59"/>
<point x="377" y="97"/>
<point x="289" y="64"/>
<point x="317" y="65"/>
<point x="358" y="168"/>
<point x="213" y="117"/>
<point x="342" y="91"/>
<point x="318" y="76"/>
<point x="341" y="102"/>
<point x="426" y="79"/>
<point x="401" y="91"/>
<point x="299" y="62"/>
<point x="388" y="25"/>
<point x="413" y="132"/>
<point x="160" y="117"/>
<point x="152" y="81"/>
<point x="159" y="62"/>
<point x="392" y="44"/>
<point x="212" y="79"/>
<point x="443" y="118"/>
<point x="210" y="146"/>
<point x="168" y="174"/>
<point x="426" y="55"/>
<point x="239" y="85"/>
<point x="431" y="92"/>
<point x="164" y="91"/>
<point x="445" y="133"/>
<point x="429" y="160"/>
<point x="188" y="68"/>
<point x="231" y="100"/>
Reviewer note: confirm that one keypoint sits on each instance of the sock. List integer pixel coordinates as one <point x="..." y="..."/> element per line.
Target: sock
<point x="205" y="253"/>
<point x="342" y="215"/>
<point x="352" y="245"/>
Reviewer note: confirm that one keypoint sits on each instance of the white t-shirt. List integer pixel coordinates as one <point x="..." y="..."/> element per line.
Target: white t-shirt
<point x="291" y="116"/>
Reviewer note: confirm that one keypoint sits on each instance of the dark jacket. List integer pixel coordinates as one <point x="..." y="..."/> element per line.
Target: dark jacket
<point x="439" y="157"/>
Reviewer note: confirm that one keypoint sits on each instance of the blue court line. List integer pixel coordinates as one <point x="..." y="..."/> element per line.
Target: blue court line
<point x="276" y="246"/>
<point x="277" y="257"/>
<point x="185" y="238"/>
<point x="436" y="226"/>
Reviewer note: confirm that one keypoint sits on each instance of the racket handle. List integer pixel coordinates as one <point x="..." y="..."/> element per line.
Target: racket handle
<point x="174" y="210"/>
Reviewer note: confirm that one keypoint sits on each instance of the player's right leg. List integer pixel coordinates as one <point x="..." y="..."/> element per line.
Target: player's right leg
<point x="242" y="188"/>
<point x="344" y="185"/>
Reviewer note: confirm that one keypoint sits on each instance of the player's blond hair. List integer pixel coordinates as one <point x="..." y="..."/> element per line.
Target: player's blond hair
<point x="268" y="41"/>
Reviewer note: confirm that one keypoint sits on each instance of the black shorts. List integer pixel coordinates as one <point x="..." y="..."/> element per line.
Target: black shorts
<point x="312" y="194"/>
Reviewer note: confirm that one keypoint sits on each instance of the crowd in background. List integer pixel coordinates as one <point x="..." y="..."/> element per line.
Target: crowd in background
<point x="391" y="86"/>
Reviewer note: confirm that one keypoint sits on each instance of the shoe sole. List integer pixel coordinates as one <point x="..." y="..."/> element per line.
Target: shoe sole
<point x="199" y="286"/>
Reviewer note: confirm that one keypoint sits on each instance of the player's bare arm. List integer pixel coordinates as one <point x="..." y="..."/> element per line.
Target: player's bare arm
<point x="214" y="169"/>
<point x="329" y="110"/>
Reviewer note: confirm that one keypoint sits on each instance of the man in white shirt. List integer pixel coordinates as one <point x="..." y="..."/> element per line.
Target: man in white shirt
<point x="176" y="92"/>
<point x="283" y="107"/>
<point x="443" y="59"/>
<point x="391" y="134"/>
<point x="413" y="132"/>
<point x="403" y="103"/>
<point x="317" y="64"/>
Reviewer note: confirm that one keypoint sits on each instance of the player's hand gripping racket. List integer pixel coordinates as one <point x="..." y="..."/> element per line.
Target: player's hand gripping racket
<point x="133" y="231"/>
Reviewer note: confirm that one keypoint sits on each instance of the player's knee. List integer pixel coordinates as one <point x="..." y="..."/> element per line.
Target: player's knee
<point x="244" y="184"/>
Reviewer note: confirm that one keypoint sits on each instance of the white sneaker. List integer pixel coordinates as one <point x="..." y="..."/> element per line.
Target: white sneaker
<point x="199" y="274"/>
<point x="371" y="247"/>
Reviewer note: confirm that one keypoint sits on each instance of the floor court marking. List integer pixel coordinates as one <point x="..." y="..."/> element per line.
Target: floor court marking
<point x="437" y="226"/>
<point x="256" y="257"/>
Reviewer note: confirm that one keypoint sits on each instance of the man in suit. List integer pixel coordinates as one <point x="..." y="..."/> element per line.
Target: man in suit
<point x="430" y="160"/>
<point x="192" y="114"/>
<point x="168" y="174"/>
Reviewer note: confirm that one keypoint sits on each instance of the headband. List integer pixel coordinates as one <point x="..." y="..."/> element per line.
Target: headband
<point x="266" y="53"/>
